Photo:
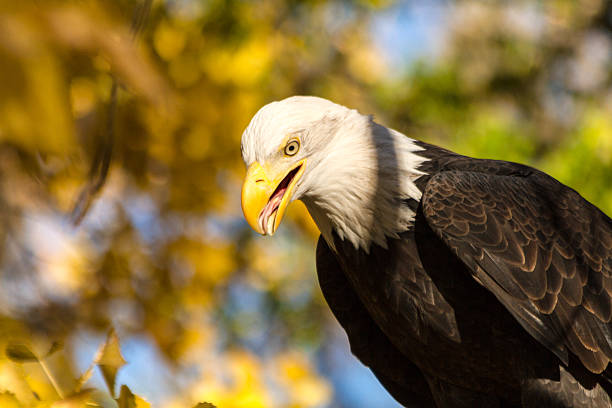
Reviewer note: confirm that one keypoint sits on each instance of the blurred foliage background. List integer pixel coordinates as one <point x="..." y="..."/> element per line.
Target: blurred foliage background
<point x="158" y="249"/>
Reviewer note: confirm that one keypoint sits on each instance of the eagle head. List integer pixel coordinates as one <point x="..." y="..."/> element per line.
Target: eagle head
<point x="351" y="172"/>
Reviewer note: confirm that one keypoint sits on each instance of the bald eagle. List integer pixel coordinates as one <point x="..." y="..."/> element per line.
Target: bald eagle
<point x="460" y="282"/>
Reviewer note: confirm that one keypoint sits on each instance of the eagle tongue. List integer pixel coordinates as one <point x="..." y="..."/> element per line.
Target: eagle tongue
<point x="271" y="207"/>
<point x="275" y="200"/>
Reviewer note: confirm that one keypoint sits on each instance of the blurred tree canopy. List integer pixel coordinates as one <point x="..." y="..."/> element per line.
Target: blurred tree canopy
<point x="160" y="91"/>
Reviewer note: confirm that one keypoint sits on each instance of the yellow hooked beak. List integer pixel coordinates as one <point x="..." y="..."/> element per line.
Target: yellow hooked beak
<point x="265" y="200"/>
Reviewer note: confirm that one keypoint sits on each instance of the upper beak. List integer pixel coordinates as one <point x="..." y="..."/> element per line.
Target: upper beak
<point x="265" y="199"/>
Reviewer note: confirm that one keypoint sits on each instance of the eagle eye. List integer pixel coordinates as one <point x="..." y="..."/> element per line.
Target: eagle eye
<point x="292" y="147"/>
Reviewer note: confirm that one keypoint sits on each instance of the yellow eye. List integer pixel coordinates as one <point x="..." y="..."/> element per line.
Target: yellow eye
<point x="292" y="147"/>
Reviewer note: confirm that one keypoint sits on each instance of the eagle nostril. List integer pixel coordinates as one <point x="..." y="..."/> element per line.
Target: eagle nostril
<point x="259" y="180"/>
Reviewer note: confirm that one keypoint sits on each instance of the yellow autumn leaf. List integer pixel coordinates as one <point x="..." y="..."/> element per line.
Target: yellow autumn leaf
<point x="8" y="400"/>
<point x="168" y="40"/>
<point x="82" y="96"/>
<point x="305" y="388"/>
<point x="20" y="353"/>
<point x="128" y="400"/>
<point x="243" y="66"/>
<point x="110" y="360"/>
<point x="77" y="400"/>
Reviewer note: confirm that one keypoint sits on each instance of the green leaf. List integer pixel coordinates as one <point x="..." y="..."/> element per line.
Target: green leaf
<point x="110" y="360"/>
<point x="20" y="353"/>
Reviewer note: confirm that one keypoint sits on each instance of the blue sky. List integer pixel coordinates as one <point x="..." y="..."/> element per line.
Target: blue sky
<point x="410" y="30"/>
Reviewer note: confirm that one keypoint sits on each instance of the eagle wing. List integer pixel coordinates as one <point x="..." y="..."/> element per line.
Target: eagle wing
<point x="539" y="247"/>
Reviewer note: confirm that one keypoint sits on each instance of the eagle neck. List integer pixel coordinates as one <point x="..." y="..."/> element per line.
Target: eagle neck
<point x="369" y="194"/>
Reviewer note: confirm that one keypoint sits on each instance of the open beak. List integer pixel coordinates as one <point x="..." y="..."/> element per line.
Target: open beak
<point x="265" y="200"/>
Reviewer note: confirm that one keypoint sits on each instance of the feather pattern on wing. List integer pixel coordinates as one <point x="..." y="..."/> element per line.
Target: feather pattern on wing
<point x="544" y="251"/>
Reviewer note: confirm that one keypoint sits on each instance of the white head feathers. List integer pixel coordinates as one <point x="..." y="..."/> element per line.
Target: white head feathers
<point x="358" y="173"/>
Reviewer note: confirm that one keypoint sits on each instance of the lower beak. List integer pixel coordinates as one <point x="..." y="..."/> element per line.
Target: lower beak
<point x="265" y="200"/>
